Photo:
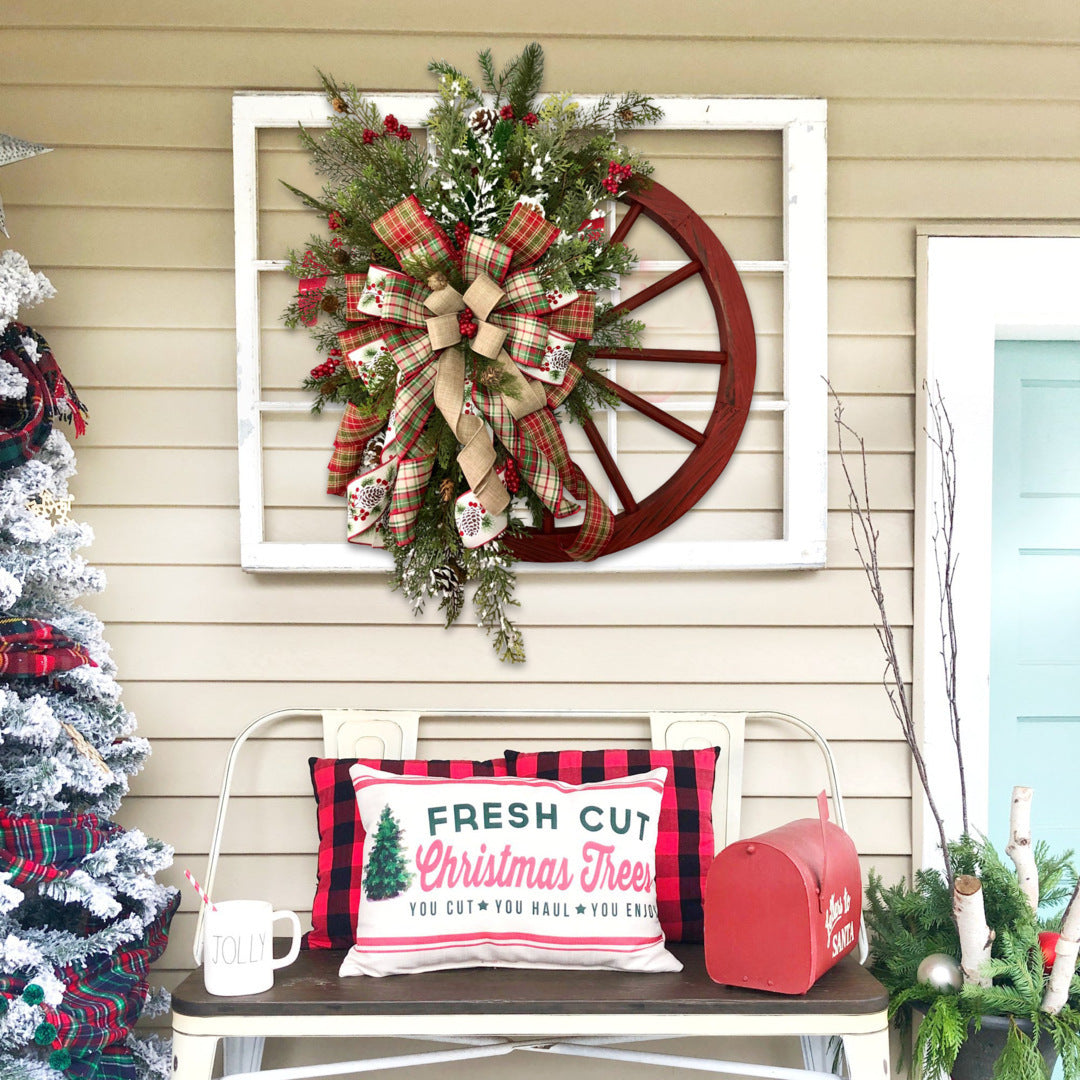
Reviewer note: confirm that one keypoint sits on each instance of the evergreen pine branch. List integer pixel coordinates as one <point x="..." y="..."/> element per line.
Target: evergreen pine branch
<point x="526" y="79"/>
<point x="487" y="68"/>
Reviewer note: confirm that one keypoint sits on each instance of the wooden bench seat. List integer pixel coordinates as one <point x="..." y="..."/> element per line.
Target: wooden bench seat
<point x="490" y="1012"/>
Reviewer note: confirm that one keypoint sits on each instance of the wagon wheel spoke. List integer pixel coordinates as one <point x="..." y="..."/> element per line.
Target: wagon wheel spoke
<point x="667" y="356"/>
<point x="653" y="412"/>
<point x="607" y="463"/>
<point x="627" y="223"/>
<point x="658" y="288"/>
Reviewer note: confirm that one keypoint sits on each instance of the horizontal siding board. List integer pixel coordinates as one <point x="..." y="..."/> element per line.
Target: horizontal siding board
<point x="226" y="595"/>
<point x="961" y="19"/>
<point x="201" y="710"/>
<point x="568" y="654"/>
<point x="278" y="59"/>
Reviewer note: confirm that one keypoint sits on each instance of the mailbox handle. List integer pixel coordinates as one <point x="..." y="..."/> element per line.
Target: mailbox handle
<point x="823" y="816"/>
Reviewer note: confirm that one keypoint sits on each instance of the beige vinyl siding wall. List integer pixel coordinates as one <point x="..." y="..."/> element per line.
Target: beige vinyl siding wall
<point x="937" y="112"/>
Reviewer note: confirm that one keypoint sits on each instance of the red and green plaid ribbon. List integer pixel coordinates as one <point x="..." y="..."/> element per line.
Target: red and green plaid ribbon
<point x="484" y="256"/>
<point x="576" y="318"/>
<point x="529" y="233"/>
<point x="353" y="432"/>
<point x="413" y="235"/>
<point x="599" y="521"/>
<point x="412" y="480"/>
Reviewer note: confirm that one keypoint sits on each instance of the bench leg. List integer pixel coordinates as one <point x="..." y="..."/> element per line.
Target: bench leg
<point x="868" y="1055"/>
<point x="243" y="1053"/>
<point x="193" y="1056"/>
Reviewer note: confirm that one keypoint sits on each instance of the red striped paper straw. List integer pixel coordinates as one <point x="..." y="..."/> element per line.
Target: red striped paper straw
<point x="199" y="889"/>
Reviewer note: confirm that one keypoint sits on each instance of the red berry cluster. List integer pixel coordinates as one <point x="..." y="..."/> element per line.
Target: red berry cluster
<point x="506" y="112"/>
<point x="328" y="366"/>
<point x="511" y="476"/>
<point x="467" y="325"/>
<point x="461" y="234"/>
<point x="335" y="221"/>
<point x="617" y="175"/>
<point x="530" y="119"/>
<point x="392" y="125"/>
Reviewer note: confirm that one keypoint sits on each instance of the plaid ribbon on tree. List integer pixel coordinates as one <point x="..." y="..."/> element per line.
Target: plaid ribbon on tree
<point x="25" y="423"/>
<point x="31" y="649"/>
<point x="353" y="432"/>
<point x="37" y="848"/>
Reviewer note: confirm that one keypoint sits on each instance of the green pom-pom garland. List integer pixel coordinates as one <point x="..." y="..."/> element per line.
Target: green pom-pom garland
<point x="33" y="994"/>
<point x="59" y="1059"/>
<point x="44" y="1033"/>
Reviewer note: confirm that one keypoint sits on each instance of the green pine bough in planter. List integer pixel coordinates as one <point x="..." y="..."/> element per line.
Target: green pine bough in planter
<point x="978" y="940"/>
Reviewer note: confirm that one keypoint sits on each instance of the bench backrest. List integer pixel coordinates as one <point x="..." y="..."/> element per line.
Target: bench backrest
<point x="393" y="733"/>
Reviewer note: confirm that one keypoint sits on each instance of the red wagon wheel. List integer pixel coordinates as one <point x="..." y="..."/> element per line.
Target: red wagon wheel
<point x="710" y="450"/>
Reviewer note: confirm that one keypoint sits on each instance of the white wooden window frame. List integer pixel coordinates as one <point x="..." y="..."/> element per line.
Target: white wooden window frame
<point x="973" y="292"/>
<point x="803" y="267"/>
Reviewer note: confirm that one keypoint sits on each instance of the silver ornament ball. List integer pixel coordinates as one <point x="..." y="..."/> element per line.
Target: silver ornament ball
<point x="941" y="971"/>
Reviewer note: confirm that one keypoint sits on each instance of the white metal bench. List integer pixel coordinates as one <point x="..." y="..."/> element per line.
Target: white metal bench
<point x="577" y="1013"/>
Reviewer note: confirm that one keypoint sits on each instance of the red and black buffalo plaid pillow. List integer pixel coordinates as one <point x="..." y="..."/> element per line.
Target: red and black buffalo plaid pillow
<point x="341" y="838"/>
<point x="684" y="845"/>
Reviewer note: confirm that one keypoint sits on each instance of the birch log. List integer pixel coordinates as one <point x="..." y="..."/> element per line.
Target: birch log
<point x="1057" y="986"/>
<point x="976" y="938"/>
<point x="1019" y="847"/>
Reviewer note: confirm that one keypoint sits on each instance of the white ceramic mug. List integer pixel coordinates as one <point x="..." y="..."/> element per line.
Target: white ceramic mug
<point x="238" y="946"/>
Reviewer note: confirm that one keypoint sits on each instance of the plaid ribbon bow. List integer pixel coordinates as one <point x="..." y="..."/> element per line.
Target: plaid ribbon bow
<point x="528" y="331"/>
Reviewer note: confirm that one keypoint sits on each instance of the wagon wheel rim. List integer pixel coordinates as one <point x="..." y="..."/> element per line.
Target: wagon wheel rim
<point x="641" y="519"/>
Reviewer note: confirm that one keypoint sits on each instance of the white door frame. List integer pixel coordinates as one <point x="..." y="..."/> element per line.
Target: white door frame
<point x="973" y="290"/>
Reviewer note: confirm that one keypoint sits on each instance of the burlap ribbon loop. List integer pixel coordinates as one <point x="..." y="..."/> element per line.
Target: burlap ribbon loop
<point x="483" y="296"/>
<point x="477" y="454"/>
<point x="443" y="332"/>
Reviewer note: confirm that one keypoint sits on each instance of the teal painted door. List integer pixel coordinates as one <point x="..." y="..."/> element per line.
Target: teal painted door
<point x="1035" y="599"/>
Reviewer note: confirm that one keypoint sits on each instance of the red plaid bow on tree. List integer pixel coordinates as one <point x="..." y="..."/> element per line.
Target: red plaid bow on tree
<point x="525" y="332"/>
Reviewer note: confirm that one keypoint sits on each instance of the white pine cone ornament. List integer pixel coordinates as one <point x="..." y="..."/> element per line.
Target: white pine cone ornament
<point x="446" y="581"/>
<point x="482" y="120"/>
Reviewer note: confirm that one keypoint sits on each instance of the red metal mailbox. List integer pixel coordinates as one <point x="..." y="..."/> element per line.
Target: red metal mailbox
<point x="783" y="907"/>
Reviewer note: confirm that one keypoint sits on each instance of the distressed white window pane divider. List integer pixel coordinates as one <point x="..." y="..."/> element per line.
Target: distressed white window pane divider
<point x="803" y="405"/>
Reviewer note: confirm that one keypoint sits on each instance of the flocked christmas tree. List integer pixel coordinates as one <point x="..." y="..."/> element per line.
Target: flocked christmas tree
<point x="81" y="914"/>
<point x="386" y="875"/>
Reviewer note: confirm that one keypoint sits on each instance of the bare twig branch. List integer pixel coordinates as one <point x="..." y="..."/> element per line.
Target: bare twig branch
<point x="940" y="432"/>
<point x="865" y="535"/>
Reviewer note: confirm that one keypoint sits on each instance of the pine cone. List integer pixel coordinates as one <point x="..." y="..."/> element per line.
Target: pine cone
<point x="492" y="376"/>
<point x="446" y="580"/>
<point x="482" y="120"/>
<point x="340" y="105"/>
<point x="330" y="303"/>
<point x="446" y="490"/>
<point x="341" y="257"/>
<point x="626" y="115"/>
